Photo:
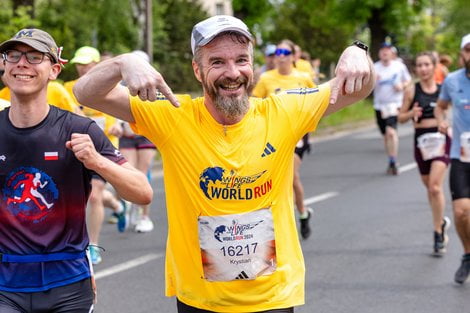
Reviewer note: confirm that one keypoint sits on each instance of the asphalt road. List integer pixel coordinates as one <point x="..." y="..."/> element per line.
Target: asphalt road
<point x="370" y="250"/>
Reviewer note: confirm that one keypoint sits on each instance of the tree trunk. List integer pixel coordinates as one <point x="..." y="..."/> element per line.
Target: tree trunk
<point x="377" y="32"/>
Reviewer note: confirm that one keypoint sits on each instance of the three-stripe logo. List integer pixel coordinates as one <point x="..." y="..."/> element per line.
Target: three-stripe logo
<point x="268" y="150"/>
<point x="242" y="275"/>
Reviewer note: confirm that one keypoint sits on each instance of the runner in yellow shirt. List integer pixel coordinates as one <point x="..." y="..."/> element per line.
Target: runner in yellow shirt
<point x="285" y="77"/>
<point x="228" y="163"/>
<point x="57" y="96"/>
<point x="84" y="59"/>
<point x="301" y="64"/>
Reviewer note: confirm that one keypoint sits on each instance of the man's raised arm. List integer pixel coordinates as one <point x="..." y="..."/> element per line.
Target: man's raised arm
<point x="100" y="88"/>
<point x="355" y="79"/>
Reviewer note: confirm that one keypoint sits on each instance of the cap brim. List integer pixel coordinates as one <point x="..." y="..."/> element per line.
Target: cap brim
<point x="81" y="60"/>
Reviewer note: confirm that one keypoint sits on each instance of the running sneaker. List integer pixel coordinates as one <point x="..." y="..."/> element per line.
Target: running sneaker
<point x="95" y="254"/>
<point x="441" y="240"/>
<point x="464" y="270"/>
<point x="144" y="225"/>
<point x="305" y="230"/>
<point x="113" y="218"/>
<point x="123" y="217"/>
<point x="135" y="214"/>
<point x="392" y="169"/>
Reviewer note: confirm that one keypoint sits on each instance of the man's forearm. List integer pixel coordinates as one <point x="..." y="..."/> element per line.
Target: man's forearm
<point x="98" y="82"/>
<point x="129" y="183"/>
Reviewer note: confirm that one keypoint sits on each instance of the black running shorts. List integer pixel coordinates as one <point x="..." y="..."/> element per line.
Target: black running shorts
<point x="459" y="179"/>
<point x="184" y="308"/>
<point x="73" y="298"/>
<point x="383" y="123"/>
<point x="136" y="142"/>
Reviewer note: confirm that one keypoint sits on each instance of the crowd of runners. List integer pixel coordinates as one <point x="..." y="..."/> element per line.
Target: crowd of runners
<point x="231" y="162"/>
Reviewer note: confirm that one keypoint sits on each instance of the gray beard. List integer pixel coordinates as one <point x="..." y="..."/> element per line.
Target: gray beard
<point x="231" y="107"/>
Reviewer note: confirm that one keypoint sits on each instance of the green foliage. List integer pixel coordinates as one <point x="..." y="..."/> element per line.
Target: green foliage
<point x="173" y="52"/>
<point x="358" y="112"/>
<point x="456" y="15"/>
<point x="322" y="28"/>
<point x="12" y="22"/>
<point x="314" y="25"/>
<point x="252" y="12"/>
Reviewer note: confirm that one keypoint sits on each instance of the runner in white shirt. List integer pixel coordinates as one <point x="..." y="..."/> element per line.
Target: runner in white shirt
<point x="392" y="79"/>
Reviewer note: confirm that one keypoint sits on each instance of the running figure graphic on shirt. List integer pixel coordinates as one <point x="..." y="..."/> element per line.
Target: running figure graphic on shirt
<point x="30" y="185"/>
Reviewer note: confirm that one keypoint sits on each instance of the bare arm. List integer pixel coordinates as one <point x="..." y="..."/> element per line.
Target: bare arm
<point x="355" y="79"/>
<point x="440" y="114"/>
<point x="130" y="183"/>
<point x="100" y="88"/>
<point x="405" y="113"/>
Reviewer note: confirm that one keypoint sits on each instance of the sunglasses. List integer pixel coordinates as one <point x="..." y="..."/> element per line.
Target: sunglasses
<point x="284" y="52"/>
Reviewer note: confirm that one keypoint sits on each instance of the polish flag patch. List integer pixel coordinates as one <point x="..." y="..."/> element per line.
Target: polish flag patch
<point x="51" y="156"/>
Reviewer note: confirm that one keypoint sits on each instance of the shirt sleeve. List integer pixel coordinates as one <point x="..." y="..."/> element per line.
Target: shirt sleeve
<point x="405" y="74"/>
<point x="445" y="92"/>
<point x="305" y="107"/>
<point x="103" y="146"/>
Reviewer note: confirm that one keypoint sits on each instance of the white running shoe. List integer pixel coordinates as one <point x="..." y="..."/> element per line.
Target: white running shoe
<point x="135" y="215"/>
<point x="144" y="225"/>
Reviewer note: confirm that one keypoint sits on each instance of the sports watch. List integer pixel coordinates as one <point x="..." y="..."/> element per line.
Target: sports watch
<point x="361" y="45"/>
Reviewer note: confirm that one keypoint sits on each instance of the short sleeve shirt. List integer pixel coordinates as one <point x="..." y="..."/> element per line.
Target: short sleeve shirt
<point x="44" y="189"/>
<point x="456" y="89"/>
<point x="213" y="170"/>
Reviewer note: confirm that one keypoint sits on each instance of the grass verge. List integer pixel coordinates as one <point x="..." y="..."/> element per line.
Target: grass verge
<point x="361" y="112"/>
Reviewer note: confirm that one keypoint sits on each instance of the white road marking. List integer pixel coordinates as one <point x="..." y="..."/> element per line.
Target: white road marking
<point x="128" y="265"/>
<point x="320" y="197"/>
<point x="407" y="167"/>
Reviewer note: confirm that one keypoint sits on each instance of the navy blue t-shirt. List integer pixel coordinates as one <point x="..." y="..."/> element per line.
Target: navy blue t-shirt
<point x="44" y="189"/>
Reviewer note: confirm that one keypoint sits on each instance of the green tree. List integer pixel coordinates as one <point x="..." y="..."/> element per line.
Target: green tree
<point x="14" y="18"/>
<point x="172" y="51"/>
<point x="314" y="25"/>
<point x="252" y="12"/>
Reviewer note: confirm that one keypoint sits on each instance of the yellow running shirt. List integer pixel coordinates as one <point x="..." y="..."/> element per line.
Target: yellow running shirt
<point x="4" y="104"/>
<point x="271" y="82"/>
<point x="238" y="179"/>
<point x="103" y="120"/>
<point x="305" y="66"/>
<point x="56" y="96"/>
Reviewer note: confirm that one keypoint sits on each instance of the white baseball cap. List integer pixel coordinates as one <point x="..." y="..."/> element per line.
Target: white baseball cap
<point x="203" y="32"/>
<point x="465" y="41"/>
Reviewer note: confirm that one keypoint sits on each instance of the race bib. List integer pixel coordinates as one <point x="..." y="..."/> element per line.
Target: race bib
<point x="237" y="246"/>
<point x="389" y="109"/>
<point x="100" y="121"/>
<point x="432" y="145"/>
<point x="465" y="147"/>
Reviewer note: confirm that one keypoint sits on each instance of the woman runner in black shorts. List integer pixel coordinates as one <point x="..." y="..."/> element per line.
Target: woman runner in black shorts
<point x="431" y="148"/>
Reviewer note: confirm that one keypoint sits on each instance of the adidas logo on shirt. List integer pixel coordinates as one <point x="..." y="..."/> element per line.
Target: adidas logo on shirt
<point x="242" y="275"/>
<point x="268" y="150"/>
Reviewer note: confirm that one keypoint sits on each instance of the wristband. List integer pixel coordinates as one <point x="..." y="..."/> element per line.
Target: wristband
<point x="361" y="45"/>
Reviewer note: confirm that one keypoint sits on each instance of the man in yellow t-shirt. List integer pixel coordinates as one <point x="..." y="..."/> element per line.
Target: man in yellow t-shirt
<point x="232" y="241"/>
<point x="84" y="59"/>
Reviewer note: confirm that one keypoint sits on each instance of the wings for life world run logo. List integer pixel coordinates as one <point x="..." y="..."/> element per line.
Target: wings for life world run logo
<point x="218" y="183"/>
<point x="29" y="194"/>
<point x="236" y="231"/>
